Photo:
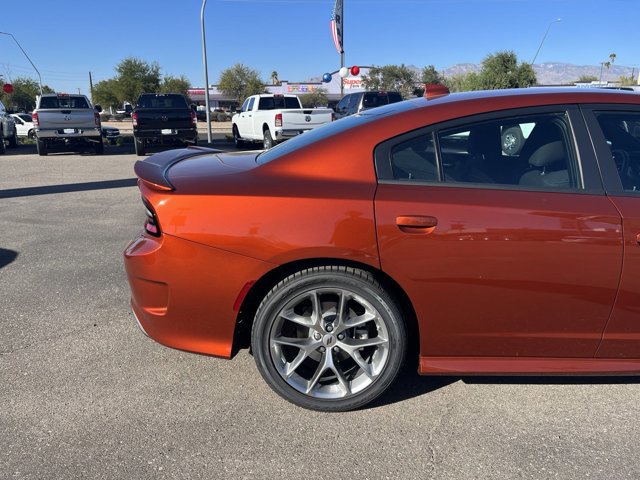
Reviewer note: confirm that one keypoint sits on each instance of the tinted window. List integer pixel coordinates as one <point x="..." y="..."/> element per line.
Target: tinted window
<point x="244" y="105"/>
<point x="272" y="103"/>
<point x="532" y="152"/>
<point x="415" y="159"/>
<point x="622" y="133"/>
<point x="375" y="99"/>
<point x="69" y="101"/>
<point x="342" y="105"/>
<point x="162" y="101"/>
<point x="354" y="103"/>
<point x="251" y="102"/>
<point x="25" y="117"/>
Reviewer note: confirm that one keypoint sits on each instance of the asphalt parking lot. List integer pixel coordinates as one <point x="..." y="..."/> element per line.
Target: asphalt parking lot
<point x="86" y="395"/>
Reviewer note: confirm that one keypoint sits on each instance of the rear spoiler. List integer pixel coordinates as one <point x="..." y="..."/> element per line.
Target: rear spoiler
<point x="153" y="170"/>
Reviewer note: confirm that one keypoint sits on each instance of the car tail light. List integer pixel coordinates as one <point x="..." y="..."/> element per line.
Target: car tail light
<point x="34" y="119"/>
<point x="96" y="116"/>
<point x="134" y="119"/>
<point x="194" y="118"/>
<point x="151" y="224"/>
<point x="278" y="119"/>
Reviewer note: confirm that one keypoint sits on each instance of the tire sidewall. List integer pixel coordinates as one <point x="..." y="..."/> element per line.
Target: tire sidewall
<point x="274" y="302"/>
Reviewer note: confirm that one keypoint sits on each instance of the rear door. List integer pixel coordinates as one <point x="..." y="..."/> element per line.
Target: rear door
<point x="501" y="254"/>
<point x="616" y="136"/>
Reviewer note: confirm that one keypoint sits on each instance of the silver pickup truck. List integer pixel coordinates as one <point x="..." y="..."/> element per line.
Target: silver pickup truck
<point x="67" y="122"/>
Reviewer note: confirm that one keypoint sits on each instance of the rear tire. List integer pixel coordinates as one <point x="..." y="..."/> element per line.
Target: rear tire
<point x="139" y="146"/>
<point x="13" y="140"/>
<point x="3" y="147"/>
<point x="329" y="338"/>
<point x="267" y="142"/>
<point x="236" y="138"/>
<point x="42" y="147"/>
<point x="31" y="135"/>
<point x="99" y="147"/>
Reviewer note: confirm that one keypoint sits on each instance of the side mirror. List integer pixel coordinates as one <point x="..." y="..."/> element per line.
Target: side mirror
<point x="98" y="108"/>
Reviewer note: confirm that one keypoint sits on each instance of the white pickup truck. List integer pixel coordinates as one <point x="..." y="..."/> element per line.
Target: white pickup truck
<point x="68" y="122"/>
<point x="272" y="118"/>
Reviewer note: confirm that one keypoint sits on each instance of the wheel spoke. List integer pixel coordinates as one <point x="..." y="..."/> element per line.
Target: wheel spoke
<point x="290" y="368"/>
<point x="353" y="344"/>
<point x="358" y="320"/>
<point x="322" y="367"/>
<point x="292" y="316"/>
<point x="301" y="343"/>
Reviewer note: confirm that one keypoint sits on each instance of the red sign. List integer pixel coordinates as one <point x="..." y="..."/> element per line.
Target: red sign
<point x="7" y="88"/>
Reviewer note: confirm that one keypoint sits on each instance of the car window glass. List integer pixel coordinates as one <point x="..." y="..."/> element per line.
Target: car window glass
<point x="529" y="151"/>
<point x="394" y="97"/>
<point x="244" y="105"/>
<point x="343" y="103"/>
<point x="250" y="106"/>
<point x="415" y="160"/>
<point x="374" y="99"/>
<point x="266" y="103"/>
<point x="622" y="133"/>
<point x="354" y="102"/>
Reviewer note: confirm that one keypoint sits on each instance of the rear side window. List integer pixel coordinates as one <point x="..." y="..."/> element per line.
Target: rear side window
<point x="532" y="151"/>
<point x="622" y="133"/>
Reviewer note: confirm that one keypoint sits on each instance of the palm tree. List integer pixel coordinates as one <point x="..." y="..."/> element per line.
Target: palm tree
<point x="274" y="78"/>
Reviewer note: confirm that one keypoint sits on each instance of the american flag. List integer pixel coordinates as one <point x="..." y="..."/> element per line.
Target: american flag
<point x="336" y="26"/>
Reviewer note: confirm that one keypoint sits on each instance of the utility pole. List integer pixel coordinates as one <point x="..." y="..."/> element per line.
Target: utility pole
<point x="90" y="87"/>
<point x="206" y="73"/>
<point x="25" y="54"/>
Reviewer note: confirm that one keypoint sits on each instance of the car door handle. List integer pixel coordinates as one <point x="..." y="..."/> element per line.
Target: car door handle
<point x="423" y="224"/>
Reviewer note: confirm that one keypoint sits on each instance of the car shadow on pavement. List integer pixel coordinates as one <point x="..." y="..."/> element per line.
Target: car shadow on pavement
<point x="68" y="187"/>
<point x="7" y="256"/>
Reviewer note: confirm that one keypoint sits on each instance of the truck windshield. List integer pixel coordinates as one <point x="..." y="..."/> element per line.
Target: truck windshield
<point x="162" y="101"/>
<point x="272" y="103"/>
<point x="66" y="101"/>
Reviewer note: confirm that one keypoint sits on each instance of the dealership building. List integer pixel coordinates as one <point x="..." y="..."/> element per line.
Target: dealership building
<point x="351" y="84"/>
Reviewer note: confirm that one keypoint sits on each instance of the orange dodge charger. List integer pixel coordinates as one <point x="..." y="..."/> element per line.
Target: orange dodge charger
<point x="497" y="231"/>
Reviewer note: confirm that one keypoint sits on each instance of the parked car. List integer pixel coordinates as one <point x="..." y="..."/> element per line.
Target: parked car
<point x="163" y="119"/>
<point x="357" y="102"/>
<point x="111" y="134"/>
<point x="8" y="132"/>
<point x="272" y="119"/>
<point x="67" y="122"/>
<point x="337" y="251"/>
<point x="24" y="125"/>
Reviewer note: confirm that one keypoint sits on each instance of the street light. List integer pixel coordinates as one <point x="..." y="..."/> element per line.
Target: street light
<point x="543" y="39"/>
<point x="206" y="73"/>
<point x="25" y="54"/>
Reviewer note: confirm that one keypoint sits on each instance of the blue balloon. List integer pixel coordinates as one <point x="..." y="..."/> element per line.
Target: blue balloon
<point x="326" y="78"/>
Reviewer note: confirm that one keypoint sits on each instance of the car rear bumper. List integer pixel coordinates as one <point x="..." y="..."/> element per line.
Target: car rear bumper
<point x="169" y="135"/>
<point x="70" y="133"/>
<point x="285" y="134"/>
<point x="183" y="293"/>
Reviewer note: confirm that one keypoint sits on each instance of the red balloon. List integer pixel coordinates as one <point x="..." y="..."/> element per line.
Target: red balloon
<point x="355" y="70"/>
<point x="7" y="88"/>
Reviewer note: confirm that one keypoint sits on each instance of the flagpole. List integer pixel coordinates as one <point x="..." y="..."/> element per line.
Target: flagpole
<point x="342" y="48"/>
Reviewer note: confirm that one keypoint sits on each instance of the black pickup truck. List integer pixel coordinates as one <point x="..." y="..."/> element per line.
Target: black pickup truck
<point x="163" y="118"/>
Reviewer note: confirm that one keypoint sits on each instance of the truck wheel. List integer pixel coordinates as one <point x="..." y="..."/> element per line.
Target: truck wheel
<point x="139" y="145"/>
<point x="236" y="138"/>
<point x="99" y="147"/>
<point x="32" y="134"/>
<point x="42" y="147"/>
<point x="3" y="147"/>
<point x="267" y="143"/>
<point x="13" y="140"/>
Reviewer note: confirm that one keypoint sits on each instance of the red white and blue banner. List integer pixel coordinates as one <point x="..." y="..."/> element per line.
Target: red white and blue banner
<point x="337" y="25"/>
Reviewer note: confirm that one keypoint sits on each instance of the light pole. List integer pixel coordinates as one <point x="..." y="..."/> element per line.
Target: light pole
<point x="544" y="38"/>
<point x="206" y="73"/>
<point x="25" y="54"/>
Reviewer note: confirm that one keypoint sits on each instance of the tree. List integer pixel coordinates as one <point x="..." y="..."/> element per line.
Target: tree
<point x="24" y="94"/>
<point x="397" y="78"/>
<point x="429" y="74"/>
<point x="240" y="82"/>
<point x="171" y="84"/>
<point x="274" y="78"/>
<point x="135" y="76"/>
<point x="587" y="79"/>
<point x="501" y="70"/>
<point x="317" y="98"/>
<point x="105" y="93"/>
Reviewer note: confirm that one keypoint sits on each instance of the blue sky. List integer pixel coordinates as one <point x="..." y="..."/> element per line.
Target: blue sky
<point x="68" y="38"/>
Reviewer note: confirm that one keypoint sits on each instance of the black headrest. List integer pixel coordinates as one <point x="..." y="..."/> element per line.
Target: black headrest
<point x="547" y="154"/>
